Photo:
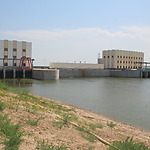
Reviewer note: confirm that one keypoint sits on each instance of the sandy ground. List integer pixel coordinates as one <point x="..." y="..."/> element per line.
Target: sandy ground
<point x="68" y="135"/>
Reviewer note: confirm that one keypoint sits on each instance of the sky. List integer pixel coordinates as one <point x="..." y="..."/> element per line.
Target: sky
<point x="76" y="30"/>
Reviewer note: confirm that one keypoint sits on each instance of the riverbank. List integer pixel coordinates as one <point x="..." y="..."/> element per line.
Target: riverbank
<point x="59" y="124"/>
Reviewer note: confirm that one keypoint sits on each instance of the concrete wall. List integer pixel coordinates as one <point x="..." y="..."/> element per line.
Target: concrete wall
<point x="76" y="66"/>
<point x="67" y="73"/>
<point x="45" y="74"/>
<point x="126" y="74"/>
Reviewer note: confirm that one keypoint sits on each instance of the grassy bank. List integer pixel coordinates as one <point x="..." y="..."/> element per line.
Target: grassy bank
<point x="36" y="123"/>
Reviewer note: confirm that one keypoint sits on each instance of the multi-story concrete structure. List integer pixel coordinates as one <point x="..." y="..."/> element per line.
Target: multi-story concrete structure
<point x="121" y="59"/>
<point x="13" y="50"/>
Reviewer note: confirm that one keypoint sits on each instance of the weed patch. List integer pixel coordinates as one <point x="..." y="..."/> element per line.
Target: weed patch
<point x="45" y="146"/>
<point x="33" y="122"/>
<point x="111" y="124"/>
<point x="66" y="118"/>
<point x="128" y="144"/>
<point x="13" y="137"/>
<point x="94" y="126"/>
<point x="86" y="134"/>
<point x="2" y="106"/>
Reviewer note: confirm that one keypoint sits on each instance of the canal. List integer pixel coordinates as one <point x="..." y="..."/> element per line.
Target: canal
<point x="123" y="99"/>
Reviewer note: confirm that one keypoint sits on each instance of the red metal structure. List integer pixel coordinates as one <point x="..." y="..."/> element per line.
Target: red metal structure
<point x="25" y="63"/>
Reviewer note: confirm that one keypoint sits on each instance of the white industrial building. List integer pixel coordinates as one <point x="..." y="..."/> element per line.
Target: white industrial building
<point x="10" y="51"/>
<point x="122" y="59"/>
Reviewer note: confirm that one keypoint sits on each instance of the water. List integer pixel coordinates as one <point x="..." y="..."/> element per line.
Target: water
<point x="123" y="99"/>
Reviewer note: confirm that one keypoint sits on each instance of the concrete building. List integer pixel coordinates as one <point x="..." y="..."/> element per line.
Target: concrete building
<point x="13" y="50"/>
<point x="76" y="66"/>
<point x="121" y="59"/>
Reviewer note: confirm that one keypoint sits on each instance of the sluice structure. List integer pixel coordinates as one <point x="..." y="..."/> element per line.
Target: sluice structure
<point x="15" y="73"/>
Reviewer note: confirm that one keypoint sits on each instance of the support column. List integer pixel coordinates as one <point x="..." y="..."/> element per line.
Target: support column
<point x="4" y="73"/>
<point x="14" y="73"/>
<point x="24" y="73"/>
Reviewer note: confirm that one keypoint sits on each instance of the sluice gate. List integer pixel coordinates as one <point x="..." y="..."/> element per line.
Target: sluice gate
<point x="15" y="73"/>
<point x="145" y="74"/>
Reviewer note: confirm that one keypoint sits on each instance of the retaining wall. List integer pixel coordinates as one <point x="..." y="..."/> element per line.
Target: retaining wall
<point x="45" y="74"/>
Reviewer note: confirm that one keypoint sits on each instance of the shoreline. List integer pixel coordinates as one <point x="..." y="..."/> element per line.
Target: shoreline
<point x="124" y="129"/>
<point x="56" y="123"/>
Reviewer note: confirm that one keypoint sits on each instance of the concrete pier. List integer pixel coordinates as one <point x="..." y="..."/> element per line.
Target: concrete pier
<point x="45" y="74"/>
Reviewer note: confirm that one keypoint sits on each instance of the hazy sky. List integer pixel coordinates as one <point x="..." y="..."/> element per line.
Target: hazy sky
<point x="76" y="30"/>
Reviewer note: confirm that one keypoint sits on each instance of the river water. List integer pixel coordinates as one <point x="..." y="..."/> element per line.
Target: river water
<point x="123" y="99"/>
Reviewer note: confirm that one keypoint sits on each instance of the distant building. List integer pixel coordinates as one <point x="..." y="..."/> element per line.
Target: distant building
<point x="121" y="59"/>
<point x="76" y="66"/>
<point x="13" y="50"/>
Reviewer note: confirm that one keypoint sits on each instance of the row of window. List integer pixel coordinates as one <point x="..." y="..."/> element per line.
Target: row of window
<point x="6" y="64"/>
<point x="128" y="67"/>
<point x="130" y="62"/>
<point x="14" y="50"/>
<point x="123" y="57"/>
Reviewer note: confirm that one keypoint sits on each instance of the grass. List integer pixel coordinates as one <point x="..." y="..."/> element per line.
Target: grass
<point x="45" y="146"/>
<point x="111" y="124"/>
<point x="33" y="122"/>
<point x="12" y="135"/>
<point x="91" y="147"/>
<point x="86" y="134"/>
<point x="2" y="106"/>
<point x="128" y="144"/>
<point x="66" y="118"/>
<point x="95" y="126"/>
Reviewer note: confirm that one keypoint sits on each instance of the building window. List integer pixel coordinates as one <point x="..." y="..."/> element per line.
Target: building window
<point x="23" y="50"/>
<point x="108" y="56"/>
<point x="123" y="56"/>
<point x="5" y="64"/>
<point x="14" y="50"/>
<point x="117" y="61"/>
<point x="14" y="57"/>
<point x="120" y="61"/>
<point x="120" y="56"/>
<point x="126" y="56"/>
<point x="5" y="56"/>
<point x="5" y="49"/>
<point x="123" y="61"/>
<point x="15" y="64"/>
<point x="104" y="56"/>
